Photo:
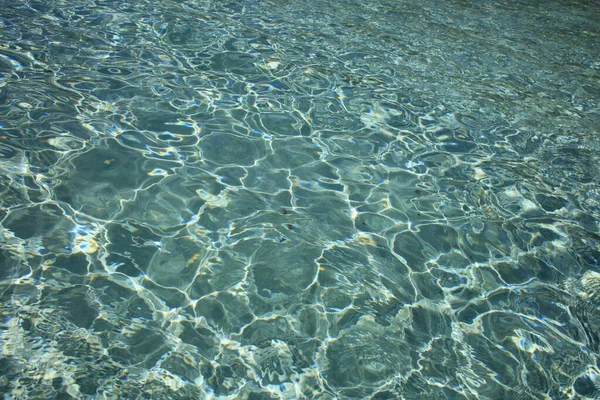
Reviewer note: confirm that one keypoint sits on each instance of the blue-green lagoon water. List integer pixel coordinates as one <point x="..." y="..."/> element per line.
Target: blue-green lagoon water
<point x="299" y="199"/>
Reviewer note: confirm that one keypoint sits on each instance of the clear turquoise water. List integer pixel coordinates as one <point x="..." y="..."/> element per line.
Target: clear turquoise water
<point x="299" y="199"/>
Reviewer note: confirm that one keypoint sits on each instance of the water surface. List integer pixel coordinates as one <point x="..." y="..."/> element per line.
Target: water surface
<point x="299" y="199"/>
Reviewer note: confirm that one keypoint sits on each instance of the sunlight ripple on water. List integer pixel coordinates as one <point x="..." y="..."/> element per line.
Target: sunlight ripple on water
<point x="299" y="200"/>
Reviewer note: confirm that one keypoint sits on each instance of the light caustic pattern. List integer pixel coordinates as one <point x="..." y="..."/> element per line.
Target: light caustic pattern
<point x="299" y="200"/>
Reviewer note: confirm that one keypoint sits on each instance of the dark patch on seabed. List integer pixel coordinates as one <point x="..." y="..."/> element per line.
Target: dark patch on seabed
<point x="299" y="199"/>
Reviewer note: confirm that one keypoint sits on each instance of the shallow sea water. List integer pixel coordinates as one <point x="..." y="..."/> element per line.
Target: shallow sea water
<point x="299" y="199"/>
